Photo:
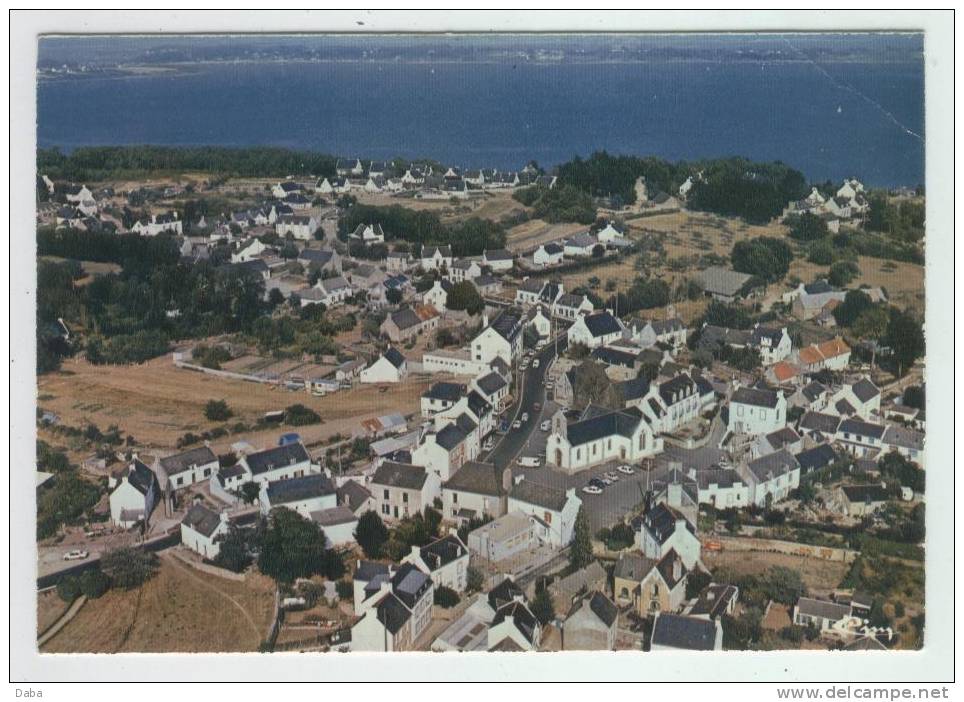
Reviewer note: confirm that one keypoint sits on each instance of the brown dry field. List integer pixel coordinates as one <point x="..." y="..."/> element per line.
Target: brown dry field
<point x="179" y="610"/>
<point x="904" y="282"/>
<point x="530" y="235"/>
<point x="493" y="206"/>
<point x="49" y="609"/>
<point x="157" y="403"/>
<point x="819" y="575"/>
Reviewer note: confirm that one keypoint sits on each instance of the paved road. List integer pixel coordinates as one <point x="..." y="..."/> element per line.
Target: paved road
<point x="533" y="391"/>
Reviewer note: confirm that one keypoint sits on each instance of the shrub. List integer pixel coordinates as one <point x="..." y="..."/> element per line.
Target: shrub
<point x="68" y="589"/>
<point x="474" y="579"/>
<point x="345" y="589"/>
<point x="445" y="597"/>
<point x="217" y="410"/>
<point x="299" y="415"/>
<point x="93" y="584"/>
<point x="129" y="567"/>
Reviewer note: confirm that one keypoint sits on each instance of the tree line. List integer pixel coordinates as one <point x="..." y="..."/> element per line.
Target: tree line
<point x="95" y="163"/>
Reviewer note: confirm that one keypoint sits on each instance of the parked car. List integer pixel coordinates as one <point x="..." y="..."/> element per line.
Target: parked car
<point x="612" y="476"/>
<point x="605" y="480"/>
<point x="535" y="362"/>
<point x="529" y="461"/>
<point x="525" y="364"/>
<point x="591" y="490"/>
<point x="517" y="424"/>
<point x="525" y="417"/>
<point x="75" y="555"/>
<point x="598" y="483"/>
<point x="628" y="470"/>
<point x="545" y="425"/>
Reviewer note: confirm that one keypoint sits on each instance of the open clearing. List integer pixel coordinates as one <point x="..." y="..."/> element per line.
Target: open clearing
<point x="179" y="610"/>
<point x="157" y="403"/>
<point x="49" y="609"/>
<point x="528" y="236"/>
<point x="819" y="575"/>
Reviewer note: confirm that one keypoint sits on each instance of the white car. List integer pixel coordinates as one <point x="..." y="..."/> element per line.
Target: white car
<point x="628" y="470"/>
<point x="517" y="424"/>
<point x="75" y="555"/>
<point x="525" y="417"/>
<point x="535" y="362"/>
<point x="612" y="476"/>
<point x="605" y="480"/>
<point x="545" y="425"/>
<point x="524" y="365"/>
<point x="591" y="490"/>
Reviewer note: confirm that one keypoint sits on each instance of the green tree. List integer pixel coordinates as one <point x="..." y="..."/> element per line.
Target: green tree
<point x="905" y="337"/>
<point x="763" y="257"/>
<point x="371" y="534"/>
<point x="808" y="227"/>
<point x="854" y="304"/>
<point x="474" y="580"/>
<point x="298" y="415"/>
<point x="842" y="272"/>
<point x="294" y="547"/>
<point x="871" y="326"/>
<point x="465" y="296"/>
<point x="821" y="252"/>
<point x="580" y="552"/>
<point x="542" y="607"/>
<point x="94" y="583"/>
<point x="68" y="589"/>
<point x="217" y="410"/>
<point x="250" y="491"/>
<point x="129" y="568"/>
<point x="445" y="597"/>
<point x="696" y="581"/>
<point x="235" y="548"/>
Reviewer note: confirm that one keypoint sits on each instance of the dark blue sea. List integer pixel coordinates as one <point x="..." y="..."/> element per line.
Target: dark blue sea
<point x="831" y="105"/>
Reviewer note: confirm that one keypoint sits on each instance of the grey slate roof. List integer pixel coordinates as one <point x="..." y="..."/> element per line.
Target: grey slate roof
<point x="601" y="323"/>
<point x="277" y="457"/>
<point x="140" y="477"/>
<point x="295" y="489"/>
<point x="181" y="462"/>
<point x="816" y="458"/>
<point x="503" y="593"/>
<point x="773" y="465"/>
<point x="353" y="494"/>
<point x="723" y="281"/>
<point x="443" y="551"/>
<point x="755" y="396"/>
<point x="603" y="608"/>
<point x="535" y="493"/>
<point x="332" y="516"/>
<point x="523" y="619"/>
<point x="392" y="613"/>
<point x="394" y="357"/>
<point x="690" y="633"/>
<point x="904" y="438"/>
<point x="202" y="520"/>
<point x="447" y="392"/>
<point x="621" y="422"/>
<point x="409" y="584"/>
<point x="817" y="421"/>
<point x="855" y="426"/>
<point x="367" y="570"/>
<point x="491" y="383"/>
<point x="822" y="608"/>
<point x="477" y="478"/>
<point x="865" y="493"/>
<point x="450" y="436"/>
<point x="714" y="600"/>
<point x="401" y="475"/>
<point x="865" y="390"/>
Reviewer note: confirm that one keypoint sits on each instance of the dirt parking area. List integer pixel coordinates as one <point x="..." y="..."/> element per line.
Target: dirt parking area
<point x="156" y="403"/>
<point x="820" y="576"/>
<point x="180" y="610"/>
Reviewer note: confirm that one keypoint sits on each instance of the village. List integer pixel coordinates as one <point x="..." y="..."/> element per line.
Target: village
<point x="463" y="447"/>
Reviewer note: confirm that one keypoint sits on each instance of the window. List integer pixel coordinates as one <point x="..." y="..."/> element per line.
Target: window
<point x="385" y="494"/>
<point x="455" y="497"/>
<point x="405" y="497"/>
<point x="547" y="517"/>
<point x="179" y="481"/>
<point x="739" y="410"/>
<point x="385" y="509"/>
<point x="763" y="414"/>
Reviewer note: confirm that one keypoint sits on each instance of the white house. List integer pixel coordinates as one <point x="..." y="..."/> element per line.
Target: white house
<point x="368" y="234"/>
<point x="548" y="255"/>
<point x="600" y="435"/>
<point x="202" y="529"/>
<point x="436" y="257"/>
<point x="464" y="269"/>
<point x="390" y="367"/>
<point x="860" y="398"/>
<point x="337" y="523"/>
<point x="595" y="330"/>
<point x="286" y="188"/>
<point x="402" y="490"/>
<point x="277" y="463"/>
<point x="665" y="528"/>
<point x="248" y="251"/>
<point x="349" y="167"/>
<point x="502" y="338"/>
<point x="647" y="333"/>
<point x="158" y="224"/>
<point x="504" y="537"/>
<point x="134" y="493"/>
<point x="581" y="246"/>
<point x="187" y="468"/>
<point x="554" y="509"/>
<point x="499" y="260"/>
<point x="445" y="561"/>
<point x="756" y="411"/>
<point x="772" y="477"/>
<point x="437" y="296"/>
<point x="861" y="438"/>
<point x="395" y="608"/>
<point x="570" y="307"/>
<point x="300" y="227"/>
<point x="304" y="494"/>
<point x="475" y="490"/>
<point x="609" y="233"/>
<point x="443" y="451"/>
<point x="329" y="291"/>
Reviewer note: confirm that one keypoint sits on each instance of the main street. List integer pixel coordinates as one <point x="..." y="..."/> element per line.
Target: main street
<point x="533" y="391"/>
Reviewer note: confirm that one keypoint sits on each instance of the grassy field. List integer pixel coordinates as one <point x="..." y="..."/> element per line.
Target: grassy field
<point x="157" y="403"/>
<point x="904" y="282"/>
<point x="49" y="609"/>
<point x="180" y="610"/>
<point x="530" y="235"/>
